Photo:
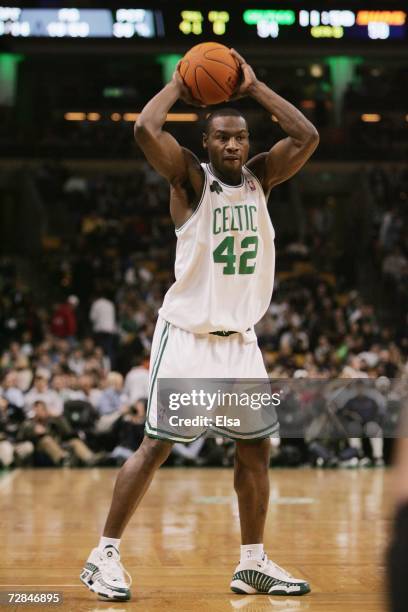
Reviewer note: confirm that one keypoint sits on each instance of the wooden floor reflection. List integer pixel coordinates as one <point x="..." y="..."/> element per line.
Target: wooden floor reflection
<point x="329" y="527"/>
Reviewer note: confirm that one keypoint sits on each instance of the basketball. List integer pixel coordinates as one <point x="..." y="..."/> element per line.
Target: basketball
<point x="210" y="72"/>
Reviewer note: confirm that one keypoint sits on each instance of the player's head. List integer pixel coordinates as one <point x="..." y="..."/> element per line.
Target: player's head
<point x="226" y="139"/>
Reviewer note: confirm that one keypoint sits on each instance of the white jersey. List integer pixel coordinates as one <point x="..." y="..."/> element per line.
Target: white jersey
<point x="225" y="260"/>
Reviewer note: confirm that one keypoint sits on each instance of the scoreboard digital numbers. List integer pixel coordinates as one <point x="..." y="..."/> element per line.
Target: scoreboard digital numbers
<point x="79" y="23"/>
<point x="226" y="21"/>
<point x="296" y="24"/>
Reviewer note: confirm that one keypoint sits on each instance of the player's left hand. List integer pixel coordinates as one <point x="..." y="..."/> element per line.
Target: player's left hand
<point x="248" y="79"/>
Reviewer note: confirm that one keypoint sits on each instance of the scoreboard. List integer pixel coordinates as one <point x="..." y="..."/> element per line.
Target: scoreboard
<point x="80" y="23"/>
<point x="291" y="22"/>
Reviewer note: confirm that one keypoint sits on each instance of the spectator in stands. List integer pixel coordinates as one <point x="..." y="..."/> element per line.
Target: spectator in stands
<point x="10" y="390"/>
<point x="11" y="416"/>
<point x="137" y="381"/>
<point x="55" y="438"/>
<point x="62" y="384"/>
<point x="90" y="392"/>
<point x="113" y="403"/>
<point x="63" y="321"/>
<point x="11" y="356"/>
<point x="76" y="362"/>
<point x="128" y="431"/>
<point x="41" y="392"/>
<point x="363" y="414"/>
<point x="103" y="319"/>
<point x="24" y="374"/>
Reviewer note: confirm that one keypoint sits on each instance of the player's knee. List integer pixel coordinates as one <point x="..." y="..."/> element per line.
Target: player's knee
<point x="155" y="451"/>
<point x="253" y="455"/>
<point x="251" y="459"/>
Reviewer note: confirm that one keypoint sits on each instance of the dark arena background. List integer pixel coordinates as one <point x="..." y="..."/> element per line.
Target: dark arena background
<point x="84" y="222"/>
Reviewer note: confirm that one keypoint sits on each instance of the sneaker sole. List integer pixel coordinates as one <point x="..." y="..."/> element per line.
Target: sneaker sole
<point x="242" y="588"/>
<point x="103" y="596"/>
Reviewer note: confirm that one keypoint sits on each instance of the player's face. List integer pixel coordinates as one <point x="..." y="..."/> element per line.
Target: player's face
<point x="227" y="144"/>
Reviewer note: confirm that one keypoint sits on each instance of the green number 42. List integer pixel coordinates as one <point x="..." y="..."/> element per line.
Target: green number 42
<point x="224" y="253"/>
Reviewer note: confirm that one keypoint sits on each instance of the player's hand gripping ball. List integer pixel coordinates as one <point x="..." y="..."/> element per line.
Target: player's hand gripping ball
<point x="210" y="72"/>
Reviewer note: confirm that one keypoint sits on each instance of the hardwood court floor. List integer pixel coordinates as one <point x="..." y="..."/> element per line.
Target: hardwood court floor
<point x="329" y="527"/>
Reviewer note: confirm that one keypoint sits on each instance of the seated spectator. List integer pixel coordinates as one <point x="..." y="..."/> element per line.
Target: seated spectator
<point x="362" y="415"/>
<point x="76" y="362"/>
<point x="137" y="381"/>
<point x="55" y="438"/>
<point x="90" y="392"/>
<point x="88" y="347"/>
<point x="11" y="451"/>
<point x="24" y="373"/>
<point x="10" y="357"/>
<point x="61" y="384"/>
<point x="41" y="391"/>
<point x="129" y="432"/>
<point x="112" y="404"/>
<point x="101" y="360"/>
<point x="10" y="391"/>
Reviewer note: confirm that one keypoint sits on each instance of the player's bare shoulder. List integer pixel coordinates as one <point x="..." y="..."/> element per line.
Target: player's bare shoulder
<point x="195" y="172"/>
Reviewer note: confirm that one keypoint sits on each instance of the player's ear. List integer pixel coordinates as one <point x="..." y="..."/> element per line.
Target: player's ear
<point x="205" y="140"/>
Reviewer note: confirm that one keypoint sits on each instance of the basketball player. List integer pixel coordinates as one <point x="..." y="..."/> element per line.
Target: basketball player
<point x="224" y="280"/>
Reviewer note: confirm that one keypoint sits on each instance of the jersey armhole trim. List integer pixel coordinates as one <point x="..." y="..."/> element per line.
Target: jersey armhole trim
<point x="178" y="229"/>
<point x="268" y="193"/>
<point x="257" y="180"/>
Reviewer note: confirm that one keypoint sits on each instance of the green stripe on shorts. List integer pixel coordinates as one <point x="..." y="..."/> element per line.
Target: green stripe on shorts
<point x="162" y="345"/>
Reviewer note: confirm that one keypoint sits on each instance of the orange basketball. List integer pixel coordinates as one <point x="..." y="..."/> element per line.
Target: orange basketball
<point x="210" y="72"/>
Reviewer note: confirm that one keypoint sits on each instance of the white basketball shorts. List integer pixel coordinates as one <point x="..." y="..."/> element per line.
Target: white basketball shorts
<point x="180" y="354"/>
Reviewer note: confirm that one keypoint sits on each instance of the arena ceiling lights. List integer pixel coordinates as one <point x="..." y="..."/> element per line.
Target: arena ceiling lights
<point x="94" y="116"/>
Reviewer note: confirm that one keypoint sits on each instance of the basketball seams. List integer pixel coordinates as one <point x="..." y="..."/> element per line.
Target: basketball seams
<point x="234" y="70"/>
<point x="219" y="61"/>
<point x="196" y="83"/>
<point x="199" y="48"/>
<point x="185" y="63"/>
<point x="228" y="93"/>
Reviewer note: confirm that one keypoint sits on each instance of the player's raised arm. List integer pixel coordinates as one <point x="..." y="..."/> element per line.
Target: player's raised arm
<point x="161" y="149"/>
<point x="288" y="155"/>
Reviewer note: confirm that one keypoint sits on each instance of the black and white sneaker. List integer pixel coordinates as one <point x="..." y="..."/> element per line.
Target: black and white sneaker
<point x="266" y="577"/>
<point x="104" y="574"/>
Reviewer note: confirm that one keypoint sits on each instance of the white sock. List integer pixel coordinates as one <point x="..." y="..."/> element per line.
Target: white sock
<point x="108" y="542"/>
<point x="377" y="447"/>
<point x="252" y="552"/>
<point x="356" y="443"/>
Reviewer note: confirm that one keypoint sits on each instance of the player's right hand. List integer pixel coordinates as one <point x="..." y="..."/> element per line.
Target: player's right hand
<point x="184" y="92"/>
<point x="248" y="77"/>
